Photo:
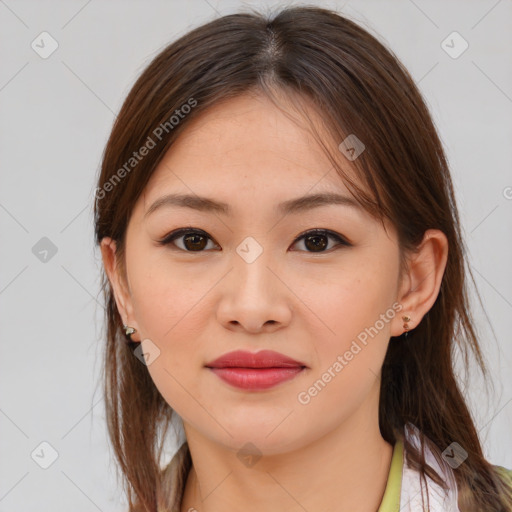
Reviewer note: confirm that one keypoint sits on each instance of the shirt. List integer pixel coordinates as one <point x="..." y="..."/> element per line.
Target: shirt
<point x="402" y="492"/>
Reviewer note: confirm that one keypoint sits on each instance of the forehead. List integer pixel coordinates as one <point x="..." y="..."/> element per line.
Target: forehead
<point x="249" y="143"/>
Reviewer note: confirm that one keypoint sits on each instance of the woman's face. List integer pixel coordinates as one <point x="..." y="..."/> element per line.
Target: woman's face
<point x="250" y="281"/>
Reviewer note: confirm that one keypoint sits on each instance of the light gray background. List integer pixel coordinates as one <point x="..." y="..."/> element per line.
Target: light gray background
<point x="56" y="116"/>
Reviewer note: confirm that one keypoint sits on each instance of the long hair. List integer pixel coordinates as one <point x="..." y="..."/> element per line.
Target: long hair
<point x="360" y="88"/>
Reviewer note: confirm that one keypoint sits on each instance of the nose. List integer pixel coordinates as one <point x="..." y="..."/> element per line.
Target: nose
<point x="254" y="297"/>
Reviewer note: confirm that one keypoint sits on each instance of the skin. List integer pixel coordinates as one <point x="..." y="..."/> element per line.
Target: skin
<point x="327" y="454"/>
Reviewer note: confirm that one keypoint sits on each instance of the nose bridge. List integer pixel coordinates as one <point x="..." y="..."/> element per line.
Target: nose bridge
<point x="251" y="262"/>
<point x="251" y="249"/>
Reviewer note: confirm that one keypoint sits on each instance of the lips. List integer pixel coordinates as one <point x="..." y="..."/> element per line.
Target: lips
<point x="255" y="372"/>
<point x="262" y="359"/>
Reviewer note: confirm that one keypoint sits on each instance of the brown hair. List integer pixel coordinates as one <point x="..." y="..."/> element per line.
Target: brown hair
<point x="359" y="87"/>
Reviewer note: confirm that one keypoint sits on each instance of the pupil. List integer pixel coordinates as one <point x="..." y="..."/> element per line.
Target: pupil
<point x="320" y="245"/>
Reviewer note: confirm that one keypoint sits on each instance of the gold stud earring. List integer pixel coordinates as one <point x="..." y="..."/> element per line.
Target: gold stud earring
<point x="406" y="319"/>
<point x="129" y="331"/>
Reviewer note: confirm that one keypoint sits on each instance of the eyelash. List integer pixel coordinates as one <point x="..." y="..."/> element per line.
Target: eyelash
<point x="179" y="233"/>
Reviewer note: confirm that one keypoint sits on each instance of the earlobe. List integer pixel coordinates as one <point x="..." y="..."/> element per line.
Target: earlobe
<point x="421" y="286"/>
<point x="121" y="296"/>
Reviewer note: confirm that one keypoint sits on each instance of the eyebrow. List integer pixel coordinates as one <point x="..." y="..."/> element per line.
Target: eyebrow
<point x="206" y="204"/>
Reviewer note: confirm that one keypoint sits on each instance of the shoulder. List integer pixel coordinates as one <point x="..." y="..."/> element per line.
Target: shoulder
<point x="506" y="474"/>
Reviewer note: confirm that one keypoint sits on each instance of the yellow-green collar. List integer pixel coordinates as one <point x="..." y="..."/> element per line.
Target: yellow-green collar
<point x="391" y="499"/>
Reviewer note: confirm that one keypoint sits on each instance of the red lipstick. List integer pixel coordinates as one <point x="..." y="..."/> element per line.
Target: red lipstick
<point x="258" y="371"/>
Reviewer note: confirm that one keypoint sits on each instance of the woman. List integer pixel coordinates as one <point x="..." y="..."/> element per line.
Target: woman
<point x="284" y="269"/>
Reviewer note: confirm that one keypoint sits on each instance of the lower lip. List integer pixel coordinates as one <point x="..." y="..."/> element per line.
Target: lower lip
<point x="256" y="378"/>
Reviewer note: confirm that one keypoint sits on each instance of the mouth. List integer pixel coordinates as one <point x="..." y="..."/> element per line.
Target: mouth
<point x="256" y="378"/>
<point x="259" y="371"/>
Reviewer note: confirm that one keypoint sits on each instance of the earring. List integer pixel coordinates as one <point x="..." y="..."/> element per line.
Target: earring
<point x="406" y="319"/>
<point x="129" y="331"/>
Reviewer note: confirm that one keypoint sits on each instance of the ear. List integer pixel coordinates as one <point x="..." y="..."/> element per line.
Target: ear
<point x="420" y="285"/>
<point x="120" y="287"/>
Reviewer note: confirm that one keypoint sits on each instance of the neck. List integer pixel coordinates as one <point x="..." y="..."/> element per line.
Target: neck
<point x="346" y="470"/>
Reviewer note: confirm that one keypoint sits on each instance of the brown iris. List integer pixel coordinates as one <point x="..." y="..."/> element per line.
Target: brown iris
<point x="198" y="241"/>
<point x="315" y="242"/>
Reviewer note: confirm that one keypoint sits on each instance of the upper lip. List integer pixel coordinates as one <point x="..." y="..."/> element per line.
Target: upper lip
<point x="261" y="359"/>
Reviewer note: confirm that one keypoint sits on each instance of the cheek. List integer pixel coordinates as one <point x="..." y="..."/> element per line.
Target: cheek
<point x="164" y="297"/>
<point x="353" y="302"/>
<point x="349" y="355"/>
<point x="356" y="313"/>
<point x="170" y="312"/>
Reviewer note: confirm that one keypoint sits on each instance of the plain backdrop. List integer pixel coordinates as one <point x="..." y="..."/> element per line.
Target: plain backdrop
<point x="56" y="115"/>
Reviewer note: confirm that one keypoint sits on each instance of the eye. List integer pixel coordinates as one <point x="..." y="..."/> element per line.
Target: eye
<point x="317" y="239"/>
<point x="196" y="240"/>
<point x="193" y="239"/>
